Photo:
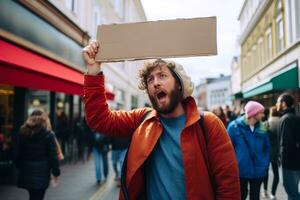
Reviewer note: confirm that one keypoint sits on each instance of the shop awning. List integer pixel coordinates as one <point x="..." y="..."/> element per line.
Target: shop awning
<point x="238" y="95"/>
<point x="23" y="68"/>
<point x="286" y="79"/>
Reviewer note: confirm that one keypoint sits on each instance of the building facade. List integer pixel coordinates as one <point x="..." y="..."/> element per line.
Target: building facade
<point x="121" y="77"/>
<point x="270" y="49"/>
<point x="214" y="92"/>
<point x="235" y="82"/>
<point x="41" y="64"/>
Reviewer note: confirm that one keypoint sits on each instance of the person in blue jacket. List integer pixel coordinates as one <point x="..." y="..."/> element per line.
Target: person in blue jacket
<point x="250" y="139"/>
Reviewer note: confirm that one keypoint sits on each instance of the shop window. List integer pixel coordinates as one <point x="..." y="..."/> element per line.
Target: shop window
<point x="134" y="102"/>
<point x="294" y="19"/>
<point x="253" y="58"/>
<point x="279" y="27"/>
<point x="62" y="104"/>
<point x="120" y="98"/>
<point x="6" y="127"/>
<point x="260" y="51"/>
<point x="279" y="34"/>
<point x="249" y="63"/>
<point x="38" y="99"/>
<point x="72" y="5"/>
<point x="6" y="109"/>
<point x="269" y="43"/>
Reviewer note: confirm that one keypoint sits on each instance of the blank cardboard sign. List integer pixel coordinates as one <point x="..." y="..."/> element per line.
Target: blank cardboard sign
<point x="157" y="39"/>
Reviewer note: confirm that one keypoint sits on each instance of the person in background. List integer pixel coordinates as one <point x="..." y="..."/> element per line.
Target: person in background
<point x="100" y="149"/>
<point x="218" y="110"/>
<point x="36" y="155"/>
<point x="119" y="147"/>
<point x="289" y="131"/>
<point x="230" y="115"/>
<point x="168" y="157"/>
<point x="272" y="126"/>
<point x="79" y="136"/>
<point x="62" y="130"/>
<point x="250" y="139"/>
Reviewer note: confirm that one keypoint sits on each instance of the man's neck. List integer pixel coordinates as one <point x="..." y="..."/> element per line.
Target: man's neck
<point x="251" y="121"/>
<point x="179" y="110"/>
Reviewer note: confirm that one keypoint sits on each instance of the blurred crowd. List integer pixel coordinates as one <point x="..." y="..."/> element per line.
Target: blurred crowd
<point x="262" y="137"/>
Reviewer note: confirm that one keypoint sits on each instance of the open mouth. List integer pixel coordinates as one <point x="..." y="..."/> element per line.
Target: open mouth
<point x="161" y="96"/>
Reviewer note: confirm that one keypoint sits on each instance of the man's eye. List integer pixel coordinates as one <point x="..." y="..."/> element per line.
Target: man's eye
<point x="163" y="76"/>
<point x="150" y="80"/>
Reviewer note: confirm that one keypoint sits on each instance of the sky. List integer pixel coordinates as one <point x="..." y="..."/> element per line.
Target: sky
<point x="226" y="11"/>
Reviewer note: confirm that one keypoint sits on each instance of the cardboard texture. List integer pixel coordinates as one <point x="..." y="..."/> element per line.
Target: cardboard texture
<point x="158" y="39"/>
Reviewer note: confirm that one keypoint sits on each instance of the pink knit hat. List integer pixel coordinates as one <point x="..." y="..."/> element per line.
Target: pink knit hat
<point x="252" y="108"/>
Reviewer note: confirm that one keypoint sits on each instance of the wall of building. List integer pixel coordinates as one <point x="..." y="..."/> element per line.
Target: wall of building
<point x="121" y="77"/>
<point x="270" y="47"/>
<point x="218" y="92"/>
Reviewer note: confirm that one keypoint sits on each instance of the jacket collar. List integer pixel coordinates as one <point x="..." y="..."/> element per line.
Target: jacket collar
<point x="288" y="110"/>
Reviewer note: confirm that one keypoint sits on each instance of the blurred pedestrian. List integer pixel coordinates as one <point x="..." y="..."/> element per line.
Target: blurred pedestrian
<point x="218" y="110"/>
<point x="289" y="130"/>
<point x="119" y="147"/>
<point x="230" y="115"/>
<point x="79" y="134"/>
<point x="168" y="157"/>
<point x="100" y="150"/>
<point x="36" y="155"/>
<point x="62" y="129"/>
<point x="250" y="139"/>
<point x="272" y="126"/>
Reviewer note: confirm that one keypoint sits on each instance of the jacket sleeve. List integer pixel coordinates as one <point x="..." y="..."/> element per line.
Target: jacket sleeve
<point x="53" y="159"/>
<point x="231" y="129"/>
<point x="223" y="163"/>
<point x="98" y="115"/>
<point x="285" y="129"/>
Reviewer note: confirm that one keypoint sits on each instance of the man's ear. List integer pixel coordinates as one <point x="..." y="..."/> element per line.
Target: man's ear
<point x="284" y="104"/>
<point x="178" y="86"/>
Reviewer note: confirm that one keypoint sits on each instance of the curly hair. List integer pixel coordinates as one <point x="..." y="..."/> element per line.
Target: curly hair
<point x="150" y="66"/>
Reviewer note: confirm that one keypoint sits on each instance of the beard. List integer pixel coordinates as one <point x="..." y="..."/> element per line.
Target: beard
<point x="175" y="97"/>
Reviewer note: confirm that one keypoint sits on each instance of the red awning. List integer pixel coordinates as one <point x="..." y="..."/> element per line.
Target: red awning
<point x="20" y="67"/>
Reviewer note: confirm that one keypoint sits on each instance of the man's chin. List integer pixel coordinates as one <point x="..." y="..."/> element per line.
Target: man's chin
<point x="166" y="109"/>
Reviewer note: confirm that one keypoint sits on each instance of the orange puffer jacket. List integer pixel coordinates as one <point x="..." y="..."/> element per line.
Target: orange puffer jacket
<point x="221" y="157"/>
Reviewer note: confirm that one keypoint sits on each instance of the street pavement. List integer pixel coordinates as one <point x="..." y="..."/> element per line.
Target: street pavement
<point x="280" y="193"/>
<point x="78" y="183"/>
<point x="111" y="191"/>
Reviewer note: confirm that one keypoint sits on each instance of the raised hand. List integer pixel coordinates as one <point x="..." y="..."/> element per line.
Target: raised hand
<point x="89" y="53"/>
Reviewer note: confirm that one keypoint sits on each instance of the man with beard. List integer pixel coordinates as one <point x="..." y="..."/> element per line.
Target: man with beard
<point x="169" y="157"/>
<point x="289" y="131"/>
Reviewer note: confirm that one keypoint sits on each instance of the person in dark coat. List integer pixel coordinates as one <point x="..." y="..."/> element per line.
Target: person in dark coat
<point x="100" y="149"/>
<point x="272" y="126"/>
<point x="36" y="155"/>
<point x="62" y="130"/>
<point x="218" y="110"/>
<point x="289" y="130"/>
<point x="119" y="147"/>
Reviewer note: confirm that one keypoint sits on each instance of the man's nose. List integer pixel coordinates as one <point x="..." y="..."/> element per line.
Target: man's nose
<point x="156" y="82"/>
